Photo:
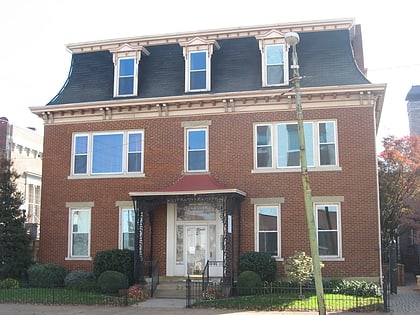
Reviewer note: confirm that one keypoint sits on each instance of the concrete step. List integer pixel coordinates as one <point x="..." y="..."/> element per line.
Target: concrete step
<point x="171" y="290"/>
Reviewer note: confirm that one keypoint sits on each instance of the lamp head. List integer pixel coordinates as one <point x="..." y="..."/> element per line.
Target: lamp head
<point x="292" y="38"/>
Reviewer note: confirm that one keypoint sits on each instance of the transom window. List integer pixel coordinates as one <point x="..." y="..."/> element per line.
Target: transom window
<point x="79" y="245"/>
<point x="328" y="226"/>
<point x="108" y="153"/>
<point x="197" y="150"/>
<point x="268" y="240"/>
<point x="277" y="145"/>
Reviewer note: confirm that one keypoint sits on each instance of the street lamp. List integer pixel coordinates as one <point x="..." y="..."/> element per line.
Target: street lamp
<point x="292" y="39"/>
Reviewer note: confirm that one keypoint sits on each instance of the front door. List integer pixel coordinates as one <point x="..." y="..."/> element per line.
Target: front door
<point x="196" y="249"/>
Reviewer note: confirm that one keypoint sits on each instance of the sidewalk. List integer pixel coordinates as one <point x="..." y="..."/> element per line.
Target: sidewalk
<point x="405" y="302"/>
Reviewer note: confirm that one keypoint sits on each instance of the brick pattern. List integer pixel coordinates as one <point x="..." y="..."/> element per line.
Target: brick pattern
<point x="231" y="162"/>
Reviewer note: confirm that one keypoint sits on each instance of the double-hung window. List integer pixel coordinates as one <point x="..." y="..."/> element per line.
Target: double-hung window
<point x="127" y="229"/>
<point x="197" y="150"/>
<point x="126" y="69"/>
<point x="108" y="153"/>
<point x="274" y="65"/>
<point x="277" y="145"/>
<point x="274" y="59"/>
<point x="328" y="227"/>
<point x="197" y="53"/>
<point x="268" y="226"/>
<point x="126" y="76"/>
<point x="198" y="66"/>
<point x="79" y="245"/>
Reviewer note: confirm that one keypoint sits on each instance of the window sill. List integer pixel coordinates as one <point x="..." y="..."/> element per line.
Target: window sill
<point x="296" y="169"/>
<point x="332" y="259"/>
<point x="106" y="176"/>
<point x="78" y="258"/>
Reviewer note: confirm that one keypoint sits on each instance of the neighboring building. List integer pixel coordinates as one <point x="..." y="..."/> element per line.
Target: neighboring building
<point x="413" y="109"/>
<point x="196" y="133"/>
<point x="410" y="241"/>
<point x="23" y="146"/>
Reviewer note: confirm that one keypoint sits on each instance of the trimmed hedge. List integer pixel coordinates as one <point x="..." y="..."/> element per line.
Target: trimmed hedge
<point x="261" y="263"/>
<point x="121" y="260"/>
<point x="77" y="279"/>
<point x="46" y="275"/>
<point x="249" y="283"/>
<point x="112" y="281"/>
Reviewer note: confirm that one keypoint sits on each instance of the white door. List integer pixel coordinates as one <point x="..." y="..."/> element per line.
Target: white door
<point x="196" y="249"/>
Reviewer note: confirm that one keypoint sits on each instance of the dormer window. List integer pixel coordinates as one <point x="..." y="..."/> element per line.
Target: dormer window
<point x="126" y="63"/>
<point x="197" y="54"/>
<point x="275" y="70"/>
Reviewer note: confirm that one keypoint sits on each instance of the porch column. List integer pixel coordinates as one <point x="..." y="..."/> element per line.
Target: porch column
<point x="141" y="208"/>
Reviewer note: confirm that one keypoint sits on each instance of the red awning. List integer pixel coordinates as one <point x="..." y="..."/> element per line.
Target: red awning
<point x="191" y="185"/>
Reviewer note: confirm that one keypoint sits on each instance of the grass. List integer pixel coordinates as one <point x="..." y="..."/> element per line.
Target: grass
<point x="334" y="302"/>
<point x="57" y="296"/>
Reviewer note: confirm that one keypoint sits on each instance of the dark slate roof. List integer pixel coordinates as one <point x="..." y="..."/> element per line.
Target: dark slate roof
<point x="325" y="59"/>
<point x="414" y="94"/>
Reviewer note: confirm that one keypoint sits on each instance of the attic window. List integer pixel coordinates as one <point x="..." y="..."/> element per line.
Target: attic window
<point x="197" y="54"/>
<point x="126" y="61"/>
<point x="274" y="58"/>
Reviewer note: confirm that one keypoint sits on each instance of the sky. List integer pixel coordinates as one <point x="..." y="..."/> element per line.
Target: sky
<point x="34" y="62"/>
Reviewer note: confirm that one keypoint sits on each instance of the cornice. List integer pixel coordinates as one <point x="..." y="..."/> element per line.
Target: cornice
<point x="176" y="38"/>
<point x="213" y="104"/>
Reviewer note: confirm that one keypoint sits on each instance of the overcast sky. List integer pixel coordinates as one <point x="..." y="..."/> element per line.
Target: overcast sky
<point x="34" y="62"/>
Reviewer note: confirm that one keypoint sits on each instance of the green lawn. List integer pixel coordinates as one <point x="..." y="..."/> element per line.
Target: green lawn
<point x="57" y="296"/>
<point x="334" y="302"/>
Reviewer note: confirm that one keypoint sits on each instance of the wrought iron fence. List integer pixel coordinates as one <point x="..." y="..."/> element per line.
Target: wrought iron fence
<point x="275" y="297"/>
<point x="63" y="296"/>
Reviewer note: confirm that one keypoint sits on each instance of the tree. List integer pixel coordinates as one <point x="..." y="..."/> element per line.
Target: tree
<point x="299" y="268"/>
<point x="14" y="240"/>
<point x="398" y="172"/>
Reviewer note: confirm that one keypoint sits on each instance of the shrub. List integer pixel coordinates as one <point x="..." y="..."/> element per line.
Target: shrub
<point x="357" y="288"/>
<point x="46" y="275"/>
<point x="111" y="281"/>
<point x="249" y="283"/>
<point x="121" y="260"/>
<point x="9" y="283"/>
<point x="261" y="263"/>
<point x="76" y="278"/>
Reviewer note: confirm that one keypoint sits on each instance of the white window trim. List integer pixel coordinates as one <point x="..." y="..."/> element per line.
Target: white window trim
<point x="274" y="152"/>
<point x="272" y="38"/>
<point x="339" y="229"/>
<point x="198" y="44"/>
<point x="127" y="51"/>
<point x="70" y="256"/>
<point x="257" y="205"/>
<point x="186" y="131"/>
<point x="89" y="162"/>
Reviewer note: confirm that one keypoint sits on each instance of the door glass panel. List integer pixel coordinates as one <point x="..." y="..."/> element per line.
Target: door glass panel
<point x="212" y="242"/>
<point x="179" y="244"/>
<point x="196" y="249"/>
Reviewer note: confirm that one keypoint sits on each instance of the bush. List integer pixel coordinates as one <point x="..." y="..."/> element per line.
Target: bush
<point x="9" y="283"/>
<point x="121" y="260"/>
<point x="357" y="288"/>
<point x="47" y="275"/>
<point x="111" y="281"/>
<point x="249" y="283"/>
<point x="76" y="278"/>
<point x="261" y="263"/>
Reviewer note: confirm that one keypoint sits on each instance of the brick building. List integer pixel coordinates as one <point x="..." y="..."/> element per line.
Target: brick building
<point x="183" y="147"/>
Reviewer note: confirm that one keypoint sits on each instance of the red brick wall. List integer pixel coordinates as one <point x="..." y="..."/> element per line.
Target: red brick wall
<point x="231" y="163"/>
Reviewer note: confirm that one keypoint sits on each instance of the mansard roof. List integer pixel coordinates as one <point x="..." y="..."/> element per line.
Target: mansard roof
<point x="325" y="57"/>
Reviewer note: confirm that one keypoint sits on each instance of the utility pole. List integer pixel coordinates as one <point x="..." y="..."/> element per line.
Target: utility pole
<point x="292" y="39"/>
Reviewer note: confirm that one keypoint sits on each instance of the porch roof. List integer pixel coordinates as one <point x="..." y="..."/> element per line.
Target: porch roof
<point x="194" y="184"/>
